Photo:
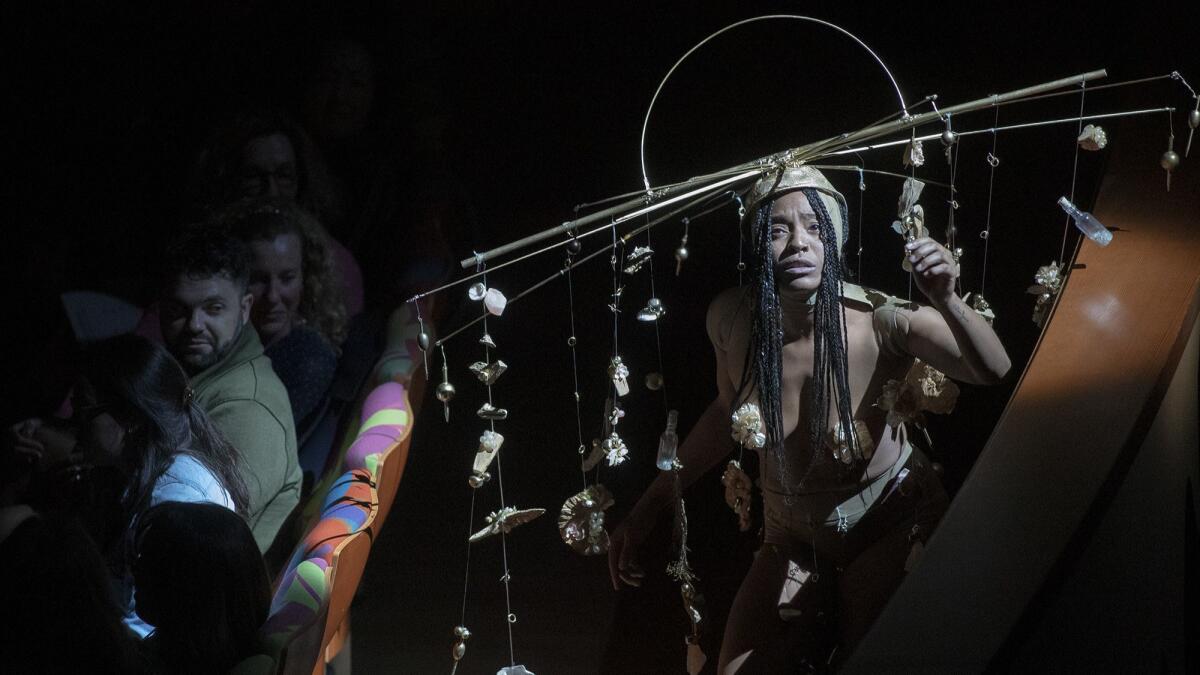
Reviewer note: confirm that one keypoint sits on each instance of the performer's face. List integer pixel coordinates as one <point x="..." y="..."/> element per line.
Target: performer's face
<point x="796" y="244"/>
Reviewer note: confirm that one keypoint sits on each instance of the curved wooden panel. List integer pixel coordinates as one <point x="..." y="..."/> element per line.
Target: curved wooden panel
<point x="1061" y="449"/>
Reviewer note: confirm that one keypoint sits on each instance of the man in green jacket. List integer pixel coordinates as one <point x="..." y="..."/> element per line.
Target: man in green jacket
<point x="205" y="310"/>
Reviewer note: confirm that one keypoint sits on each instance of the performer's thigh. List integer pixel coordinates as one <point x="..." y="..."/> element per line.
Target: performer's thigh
<point x="754" y="616"/>
<point x="866" y="584"/>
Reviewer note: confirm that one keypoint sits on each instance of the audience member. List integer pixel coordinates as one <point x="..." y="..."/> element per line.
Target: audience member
<point x="205" y="311"/>
<point x="392" y="193"/>
<point x="297" y="310"/>
<point x="201" y="582"/>
<point x="262" y="153"/>
<point x="59" y="600"/>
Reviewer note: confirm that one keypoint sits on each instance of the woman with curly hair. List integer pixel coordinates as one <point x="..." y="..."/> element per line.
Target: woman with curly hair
<point x="298" y="309"/>
<point x="264" y="153"/>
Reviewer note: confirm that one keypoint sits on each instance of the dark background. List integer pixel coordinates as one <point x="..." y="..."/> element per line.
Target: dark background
<point x="536" y="107"/>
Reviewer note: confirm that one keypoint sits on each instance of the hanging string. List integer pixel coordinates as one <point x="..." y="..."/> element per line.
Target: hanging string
<point x="1062" y="253"/>
<point x="951" y="226"/>
<point x="571" y="342"/>
<point x="657" y="334"/>
<point x="510" y="618"/>
<point x="993" y="161"/>
<point x="741" y="264"/>
<point x="862" y="188"/>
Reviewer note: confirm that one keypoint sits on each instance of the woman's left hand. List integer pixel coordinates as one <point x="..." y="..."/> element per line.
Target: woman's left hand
<point x="933" y="267"/>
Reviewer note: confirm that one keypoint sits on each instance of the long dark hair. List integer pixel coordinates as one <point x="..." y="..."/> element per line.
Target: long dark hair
<point x="763" y="368"/>
<point x="150" y="393"/>
<point x="202" y="583"/>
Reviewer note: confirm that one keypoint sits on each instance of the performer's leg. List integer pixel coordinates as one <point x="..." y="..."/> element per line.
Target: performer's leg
<point x="779" y="586"/>
<point x="754" y="615"/>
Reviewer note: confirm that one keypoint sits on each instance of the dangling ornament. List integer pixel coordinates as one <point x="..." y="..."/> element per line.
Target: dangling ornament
<point x="654" y="381"/>
<point x="514" y="670"/>
<point x="668" y="443"/>
<point x="693" y="606"/>
<point x="981" y="306"/>
<point x="618" y="372"/>
<point x="1048" y="283"/>
<point x="652" y="311"/>
<point x="681" y="254"/>
<point x="491" y="413"/>
<point x="488" y="373"/>
<point x="581" y="521"/>
<point x="637" y="259"/>
<point x="911" y="223"/>
<point x="615" y="415"/>
<point x="914" y="153"/>
<point x="493" y="300"/>
<point x="445" y="390"/>
<point x="615" y="450"/>
<point x="949" y="138"/>
<point x="505" y="521"/>
<point x="1193" y="123"/>
<point x="460" y="647"/>
<point x="487" y="341"/>
<point x="737" y="492"/>
<point x="489" y="447"/>
<point x="1169" y="160"/>
<point x="593" y="457"/>
<point x="1093" y="138"/>
<point x="423" y="342"/>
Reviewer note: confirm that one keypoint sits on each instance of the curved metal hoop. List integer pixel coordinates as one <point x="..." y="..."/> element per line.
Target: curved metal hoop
<point x="646" y="120"/>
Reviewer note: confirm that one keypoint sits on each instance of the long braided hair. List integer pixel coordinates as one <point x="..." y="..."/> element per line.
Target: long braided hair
<point x="763" y="367"/>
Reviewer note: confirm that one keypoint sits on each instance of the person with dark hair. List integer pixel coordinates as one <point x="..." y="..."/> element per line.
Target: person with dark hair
<point x="62" y="616"/>
<point x="264" y="153"/>
<point x="204" y="314"/>
<point x="802" y="360"/>
<point x="201" y="582"/>
<point x="297" y="309"/>
<point x="393" y="189"/>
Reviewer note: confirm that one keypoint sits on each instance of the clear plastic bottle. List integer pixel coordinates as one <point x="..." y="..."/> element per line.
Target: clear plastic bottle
<point x="1086" y="222"/>
<point x="668" y="443"/>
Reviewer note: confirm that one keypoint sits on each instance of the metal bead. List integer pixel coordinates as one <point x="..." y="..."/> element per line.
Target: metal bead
<point x="571" y="341"/>
<point x="423" y="341"/>
<point x="1170" y="160"/>
<point x="681" y="253"/>
<point x="949" y="137"/>
<point x="460" y="650"/>
<point x="445" y="392"/>
<point x="1194" y="119"/>
<point x="462" y="632"/>
<point x="573" y="246"/>
<point x="654" y="381"/>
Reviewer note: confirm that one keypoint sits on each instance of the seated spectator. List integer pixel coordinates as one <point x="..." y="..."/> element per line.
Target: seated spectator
<point x="62" y="616"/>
<point x="205" y="310"/>
<point x="135" y="409"/>
<point x="201" y="582"/>
<point x="297" y="309"/>
<point x="266" y="154"/>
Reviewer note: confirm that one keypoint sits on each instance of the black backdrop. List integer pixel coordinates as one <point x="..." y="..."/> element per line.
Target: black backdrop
<point x="536" y="107"/>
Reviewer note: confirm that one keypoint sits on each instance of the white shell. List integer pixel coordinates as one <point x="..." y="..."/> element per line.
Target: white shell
<point x="495" y="302"/>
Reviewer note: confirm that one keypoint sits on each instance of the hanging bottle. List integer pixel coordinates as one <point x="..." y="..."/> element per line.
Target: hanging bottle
<point x="1086" y="223"/>
<point x="668" y="443"/>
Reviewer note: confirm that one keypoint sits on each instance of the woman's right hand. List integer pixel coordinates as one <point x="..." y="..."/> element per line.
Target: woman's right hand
<point x="623" y="548"/>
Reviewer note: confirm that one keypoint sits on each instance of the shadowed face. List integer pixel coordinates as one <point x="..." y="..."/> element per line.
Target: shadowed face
<point x="277" y="284"/>
<point x="202" y="318"/>
<point x="796" y="245"/>
<point x="269" y="168"/>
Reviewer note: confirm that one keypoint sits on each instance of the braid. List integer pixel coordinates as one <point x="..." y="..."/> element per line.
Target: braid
<point x="830" y="367"/>
<point x="763" y="366"/>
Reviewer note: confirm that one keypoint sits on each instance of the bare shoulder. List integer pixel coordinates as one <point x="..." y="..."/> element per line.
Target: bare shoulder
<point x="725" y="312"/>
